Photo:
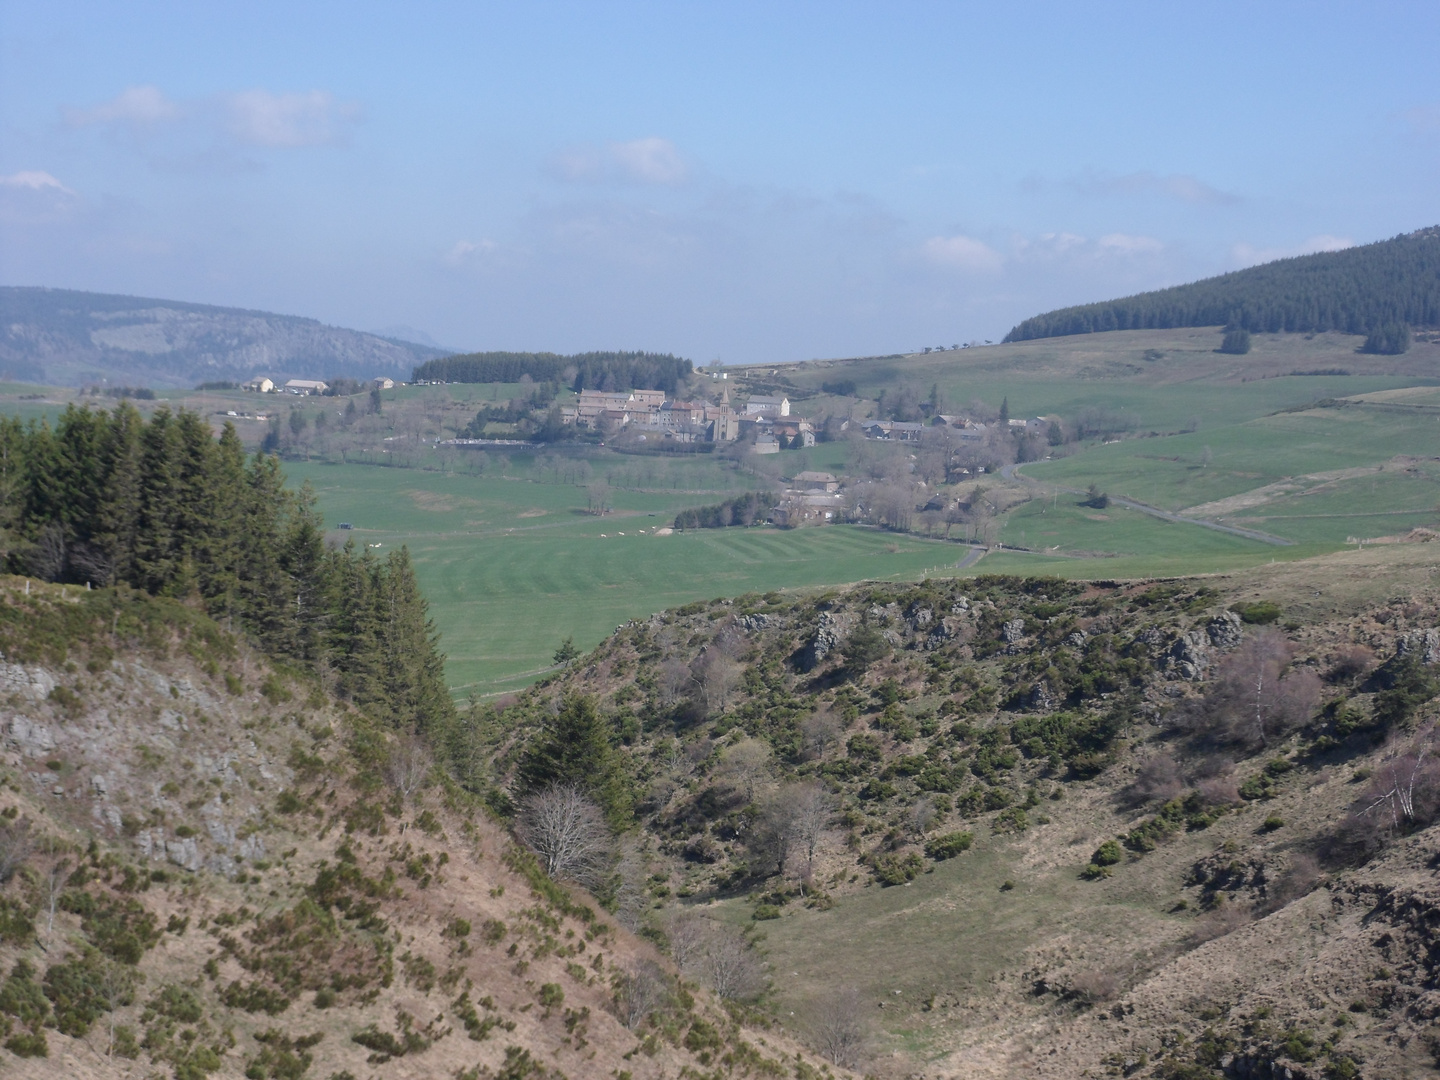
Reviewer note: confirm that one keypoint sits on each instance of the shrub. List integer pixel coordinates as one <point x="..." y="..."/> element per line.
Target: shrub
<point x="897" y="869"/>
<point x="1236" y="342"/>
<point x="1260" y="613"/>
<point x="16" y="925"/>
<point x="766" y="911"/>
<point x="551" y="995"/>
<point x="28" y="1044"/>
<point x="949" y="845"/>
<point x="274" y="691"/>
<point x="1107" y="854"/>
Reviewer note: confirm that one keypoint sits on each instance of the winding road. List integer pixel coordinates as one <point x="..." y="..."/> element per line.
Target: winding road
<point x="1012" y="472"/>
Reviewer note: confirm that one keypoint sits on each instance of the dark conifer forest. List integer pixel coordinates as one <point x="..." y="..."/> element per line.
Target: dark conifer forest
<point x="1380" y="290"/>
<point x="109" y="499"/>
<point x="583" y="371"/>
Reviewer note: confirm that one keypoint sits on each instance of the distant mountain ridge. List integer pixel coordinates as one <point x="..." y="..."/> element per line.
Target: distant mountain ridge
<point x="70" y="338"/>
<point x="1355" y="291"/>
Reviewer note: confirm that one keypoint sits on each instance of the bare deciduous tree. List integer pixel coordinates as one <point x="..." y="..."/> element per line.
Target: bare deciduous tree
<point x="1254" y="700"/>
<point x="52" y="885"/>
<point x="715" y="674"/>
<point x="730" y="964"/>
<point x="641" y="988"/>
<point x="675" y="680"/>
<point x="1158" y="779"/>
<point x="686" y="932"/>
<point x="813" y="812"/>
<point x="747" y="765"/>
<point x="631" y="899"/>
<point x="408" y="765"/>
<point x="840" y="1026"/>
<point x="1406" y="787"/>
<point x="567" y="831"/>
<point x="921" y="816"/>
<point x="820" y="733"/>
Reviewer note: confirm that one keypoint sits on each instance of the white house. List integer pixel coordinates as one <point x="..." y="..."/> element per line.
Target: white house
<point x="261" y="385"/>
<point x="380" y="382"/>
<point x="761" y="405"/>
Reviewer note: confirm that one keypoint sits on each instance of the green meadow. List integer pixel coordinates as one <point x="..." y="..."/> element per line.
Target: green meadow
<point x="512" y="566"/>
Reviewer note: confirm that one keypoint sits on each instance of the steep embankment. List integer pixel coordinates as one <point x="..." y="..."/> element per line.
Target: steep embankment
<point x="1045" y="828"/>
<point x="210" y="867"/>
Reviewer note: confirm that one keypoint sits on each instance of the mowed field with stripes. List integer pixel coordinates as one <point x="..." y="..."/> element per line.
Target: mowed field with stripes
<point x="512" y="566"/>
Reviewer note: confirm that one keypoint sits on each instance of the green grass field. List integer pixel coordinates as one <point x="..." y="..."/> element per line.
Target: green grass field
<point x="1198" y="470"/>
<point x="511" y="567"/>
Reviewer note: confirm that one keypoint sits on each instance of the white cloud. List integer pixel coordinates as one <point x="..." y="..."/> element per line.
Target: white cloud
<point x="1124" y="244"/>
<point x="260" y="118"/>
<point x="651" y="160"/>
<point x="961" y="253"/>
<point x="135" y="106"/>
<point x="1245" y="255"/>
<point x="1181" y="186"/>
<point x="34" y="197"/>
<point x="35" y="180"/>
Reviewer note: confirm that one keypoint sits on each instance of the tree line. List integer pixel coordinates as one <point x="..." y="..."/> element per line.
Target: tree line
<point x="744" y="509"/>
<point x="610" y="371"/>
<point x="1379" y="290"/>
<point x="161" y="505"/>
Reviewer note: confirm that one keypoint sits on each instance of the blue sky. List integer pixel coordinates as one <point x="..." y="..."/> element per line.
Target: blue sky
<point x="748" y="181"/>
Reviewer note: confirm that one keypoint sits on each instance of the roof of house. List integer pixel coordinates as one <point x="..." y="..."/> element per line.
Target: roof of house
<point x="818" y="477"/>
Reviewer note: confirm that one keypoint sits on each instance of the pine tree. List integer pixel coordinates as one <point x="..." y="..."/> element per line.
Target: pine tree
<point x="575" y="748"/>
<point x="1004" y="410"/>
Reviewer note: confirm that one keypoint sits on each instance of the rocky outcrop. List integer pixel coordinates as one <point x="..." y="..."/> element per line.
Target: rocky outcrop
<point x="1225" y="630"/>
<point x="1423" y="644"/>
<point x="1189" y="655"/>
<point x="827" y="638"/>
<point x="757" y="622"/>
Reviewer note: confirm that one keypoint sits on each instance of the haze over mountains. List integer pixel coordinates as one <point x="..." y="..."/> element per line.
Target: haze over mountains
<point x="70" y="338"/>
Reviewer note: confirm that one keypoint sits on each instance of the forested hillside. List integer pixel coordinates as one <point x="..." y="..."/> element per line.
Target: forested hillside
<point x="1369" y="290"/>
<point x="111" y="499"/>
<point x="583" y="371"/>
<point x="65" y="337"/>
